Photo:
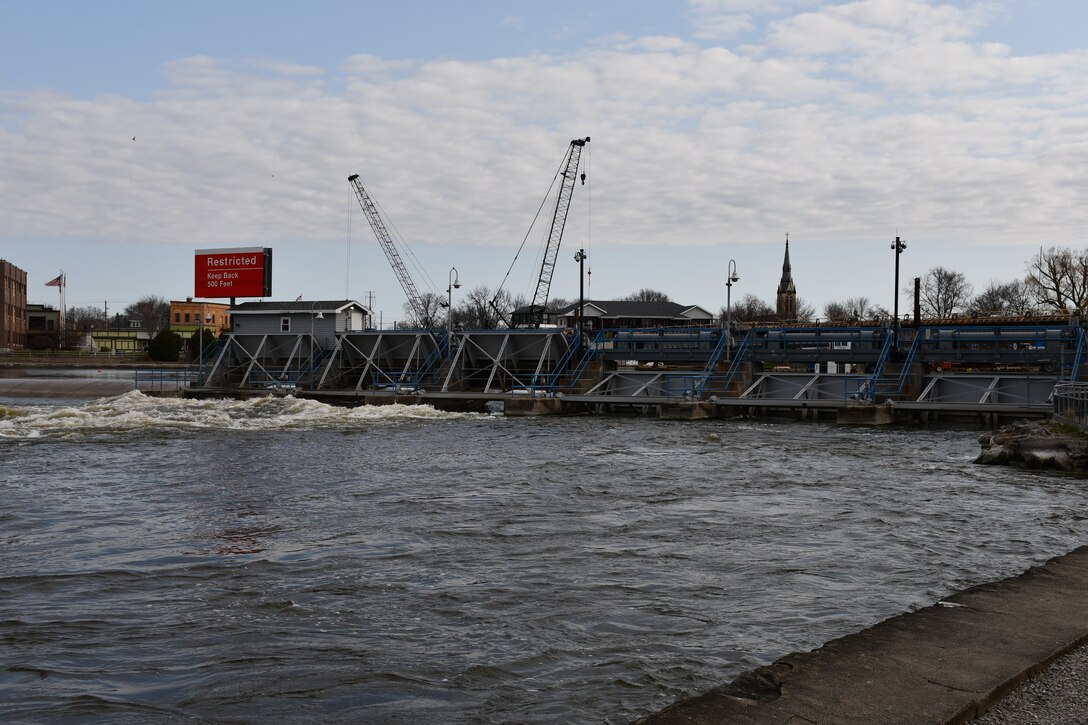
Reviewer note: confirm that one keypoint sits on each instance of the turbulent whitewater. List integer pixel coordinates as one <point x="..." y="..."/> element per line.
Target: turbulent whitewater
<point x="136" y="411"/>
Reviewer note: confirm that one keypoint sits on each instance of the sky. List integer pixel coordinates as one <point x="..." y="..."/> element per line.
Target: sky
<point x="132" y="134"/>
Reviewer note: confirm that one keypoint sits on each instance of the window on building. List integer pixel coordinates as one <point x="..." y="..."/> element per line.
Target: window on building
<point x="177" y="317"/>
<point x="285" y="324"/>
<point x="186" y="318"/>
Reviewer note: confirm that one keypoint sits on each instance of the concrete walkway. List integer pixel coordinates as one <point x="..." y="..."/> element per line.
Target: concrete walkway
<point x="948" y="663"/>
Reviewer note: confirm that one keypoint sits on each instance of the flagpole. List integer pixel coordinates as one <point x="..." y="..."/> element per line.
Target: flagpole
<point x="63" y="310"/>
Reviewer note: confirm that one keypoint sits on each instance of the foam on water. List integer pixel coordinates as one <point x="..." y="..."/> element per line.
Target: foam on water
<point x="134" y="410"/>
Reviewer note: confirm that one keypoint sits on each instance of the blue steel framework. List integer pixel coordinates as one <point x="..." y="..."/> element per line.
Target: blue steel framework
<point x="959" y="364"/>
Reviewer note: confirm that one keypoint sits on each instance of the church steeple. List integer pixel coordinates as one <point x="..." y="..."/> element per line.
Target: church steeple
<point x="787" y="292"/>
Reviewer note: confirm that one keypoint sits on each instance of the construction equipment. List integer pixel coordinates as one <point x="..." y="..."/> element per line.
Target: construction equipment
<point x="385" y="240"/>
<point x="533" y="315"/>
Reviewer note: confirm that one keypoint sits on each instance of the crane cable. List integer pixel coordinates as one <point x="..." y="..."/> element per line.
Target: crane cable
<point x="589" y="220"/>
<point x="420" y="270"/>
<point x="529" y="231"/>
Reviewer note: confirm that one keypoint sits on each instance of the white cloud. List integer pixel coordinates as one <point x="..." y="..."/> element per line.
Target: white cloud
<point x="843" y="123"/>
<point x="766" y="7"/>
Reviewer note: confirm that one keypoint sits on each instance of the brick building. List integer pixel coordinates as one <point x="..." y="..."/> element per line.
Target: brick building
<point x="185" y="316"/>
<point x="12" y="306"/>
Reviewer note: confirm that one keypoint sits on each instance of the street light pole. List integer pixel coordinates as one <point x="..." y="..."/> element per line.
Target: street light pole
<point x="898" y="245"/>
<point x="580" y="258"/>
<point x="730" y="278"/>
<point x="455" y="283"/>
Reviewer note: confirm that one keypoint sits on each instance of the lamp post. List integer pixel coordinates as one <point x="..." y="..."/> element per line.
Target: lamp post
<point x="898" y="245"/>
<point x="730" y="278"/>
<point x="455" y="283"/>
<point x="580" y="258"/>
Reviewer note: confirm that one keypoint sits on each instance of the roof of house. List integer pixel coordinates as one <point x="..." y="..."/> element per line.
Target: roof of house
<point x="296" y="307"/>
<point x="633" y="308"/>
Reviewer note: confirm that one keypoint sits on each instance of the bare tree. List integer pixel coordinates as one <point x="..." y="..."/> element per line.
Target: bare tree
<point x="558" y="303"/>
<point x="944" y="292"/>
<point x="474" y="311"/>
<point x="750" y="308"/>
<point x="1002" y="298"/>
<point x="433" y="315"/>
<point x="805" y="311"/>
<point x="1058" y="278"/>
<point x="83" y="319"/>
<point x="151" y="310"/>
<point x="854" y="309"/>
<point x="647" y="295"/>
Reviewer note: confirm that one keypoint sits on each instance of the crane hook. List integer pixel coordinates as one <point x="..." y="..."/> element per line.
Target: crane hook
<point x="583" y="178"/>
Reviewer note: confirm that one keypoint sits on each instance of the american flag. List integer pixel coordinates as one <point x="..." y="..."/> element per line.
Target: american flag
<point x="57" y="281"/>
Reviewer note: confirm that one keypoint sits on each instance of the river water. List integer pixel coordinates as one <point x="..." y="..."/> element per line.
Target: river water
<point x="280" y="560"/>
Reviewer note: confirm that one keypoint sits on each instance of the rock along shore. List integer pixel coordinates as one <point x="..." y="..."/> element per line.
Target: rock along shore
<point x="1036" y="444"/>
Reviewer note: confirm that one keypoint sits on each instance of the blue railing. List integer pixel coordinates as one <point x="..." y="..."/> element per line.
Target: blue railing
<point x="712" y="363"/>
<point x="1078" y="357"/>
<point x="872" y="388"/>
<point x="587" y="357"/>
<point x="574" y="346"/>
<point x="908" y="361"/>
<point x="738" y="358"/>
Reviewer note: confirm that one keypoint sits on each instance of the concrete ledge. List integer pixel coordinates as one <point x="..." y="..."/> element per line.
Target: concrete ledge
<point x="527" y="405"/>
<point x="948" y="663"/>
<point x="687" y="410"/>
<point x="866" y="415"/>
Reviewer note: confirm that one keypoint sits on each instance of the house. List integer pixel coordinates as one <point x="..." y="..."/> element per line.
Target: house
<point x="42" y="326"/>
<point x="124" y="335"/>
<point x="186" y="316"/>
<point x="322" y="318"/>
<point x="628" y="314"/>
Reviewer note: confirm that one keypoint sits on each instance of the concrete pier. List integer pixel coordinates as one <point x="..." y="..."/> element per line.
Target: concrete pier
<point x="687" y="410"/>
<point x="865" y="415"/>
<point x="524" y="405"/>
<point x="947" y="663"/>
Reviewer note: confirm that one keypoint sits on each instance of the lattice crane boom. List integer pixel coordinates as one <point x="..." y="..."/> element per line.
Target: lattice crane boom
<point x="555" y="235"/>
<point x="385" y="241"/>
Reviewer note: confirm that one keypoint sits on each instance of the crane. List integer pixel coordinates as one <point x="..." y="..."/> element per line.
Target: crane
<point x="385" y="240"/>
<point x="569" y="173"/>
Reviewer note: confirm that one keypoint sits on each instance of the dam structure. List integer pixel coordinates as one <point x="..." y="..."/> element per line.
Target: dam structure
<point x="865" y="373"/>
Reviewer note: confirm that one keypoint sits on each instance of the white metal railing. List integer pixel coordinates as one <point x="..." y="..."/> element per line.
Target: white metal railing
<point x="1071" y="404"/>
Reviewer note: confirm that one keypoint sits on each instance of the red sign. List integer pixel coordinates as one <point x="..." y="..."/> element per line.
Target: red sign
<point x="241" y="272"/>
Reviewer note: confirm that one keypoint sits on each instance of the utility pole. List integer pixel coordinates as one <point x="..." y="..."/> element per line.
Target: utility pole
<point x="899" y="245"/>
<point x="370" y="305"/>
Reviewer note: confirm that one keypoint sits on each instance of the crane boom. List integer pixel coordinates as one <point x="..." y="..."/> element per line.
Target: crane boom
<point x="555" y="236"/>
<point x="385" y="241"/>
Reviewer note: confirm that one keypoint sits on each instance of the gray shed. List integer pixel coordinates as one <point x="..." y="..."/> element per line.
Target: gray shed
<point x="323" y="318"/>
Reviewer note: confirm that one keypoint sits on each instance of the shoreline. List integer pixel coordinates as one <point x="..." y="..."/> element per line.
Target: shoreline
<point x="87" y="363"/>
<point x="950" y="662"/>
